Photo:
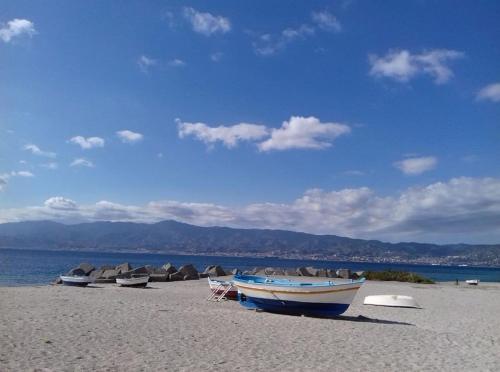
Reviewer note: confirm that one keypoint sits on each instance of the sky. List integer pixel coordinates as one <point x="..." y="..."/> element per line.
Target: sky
<point x="365" y="119"/>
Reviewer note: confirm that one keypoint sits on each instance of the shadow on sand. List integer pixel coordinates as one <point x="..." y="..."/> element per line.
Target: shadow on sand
<point x="361" y="318"/>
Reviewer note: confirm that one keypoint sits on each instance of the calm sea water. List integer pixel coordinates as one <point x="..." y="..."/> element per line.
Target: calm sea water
<point x="27" y="267"/>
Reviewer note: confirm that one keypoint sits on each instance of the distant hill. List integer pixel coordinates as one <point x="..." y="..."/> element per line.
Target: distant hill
<point x="180" y="238"/>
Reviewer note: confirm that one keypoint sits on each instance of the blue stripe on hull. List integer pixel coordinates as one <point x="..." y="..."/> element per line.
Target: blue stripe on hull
<point x="293" y="307"/>
<point x="75" y="284"/>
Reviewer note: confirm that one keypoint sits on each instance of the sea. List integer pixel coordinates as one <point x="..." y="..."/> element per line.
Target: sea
<point x="40" y="267"/>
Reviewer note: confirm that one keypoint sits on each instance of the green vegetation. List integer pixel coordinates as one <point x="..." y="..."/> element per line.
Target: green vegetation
<point x="397" y="276"/>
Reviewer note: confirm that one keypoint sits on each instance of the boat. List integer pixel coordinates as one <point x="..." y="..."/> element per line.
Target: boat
<point x="391" y="300"/>
<point x="76" y="280"/>
<point x="223" y="288"/>
<point x="472" y="281"/>
<point x="323" y="299"/>
<point x="137" y="281"/>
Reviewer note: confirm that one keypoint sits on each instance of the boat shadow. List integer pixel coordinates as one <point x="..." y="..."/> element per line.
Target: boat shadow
<point x="365" y="319"/>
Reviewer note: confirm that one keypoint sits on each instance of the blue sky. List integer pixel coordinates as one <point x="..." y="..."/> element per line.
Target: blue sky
<point x="357" y="118"/>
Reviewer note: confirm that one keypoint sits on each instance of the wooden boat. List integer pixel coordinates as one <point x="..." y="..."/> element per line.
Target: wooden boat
<point x="220" y="287"/>
<point x="391" y="300"/>
<point x="137" y="281"/>
<point x="472" y="281"/>
<point x="76" y="280"/>
<point x="291" y="297"/>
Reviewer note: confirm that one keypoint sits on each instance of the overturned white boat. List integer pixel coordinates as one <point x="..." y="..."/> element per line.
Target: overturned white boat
<point x="139" y="281"/>
<point x="391" y="300"/>
<point x="472" y="281"/>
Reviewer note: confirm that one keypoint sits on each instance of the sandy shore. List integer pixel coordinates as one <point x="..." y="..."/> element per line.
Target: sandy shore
<point x="171" y="327"/>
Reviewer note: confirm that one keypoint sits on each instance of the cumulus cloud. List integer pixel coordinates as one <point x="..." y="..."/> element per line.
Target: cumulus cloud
<point x="326" y="21"/>
<point x="127" y="136"/>
<point x="402" y="65"/>
<point x="205" y="23"/>
<point x="145" y="63"/>
<point x="415" y="166"/>
<point x="59" y="202"/>
<point x="490" y="92"/>
<point x="17" y="28"/>
<point x="22" y="174"/>
<point x="82" y="162"/>
<point x="462" y="209"/>
<point x="230" y="136"/>
<point x="35" y="150"/>
<point x="87" y="143"/>
<point x="303" y="133"/>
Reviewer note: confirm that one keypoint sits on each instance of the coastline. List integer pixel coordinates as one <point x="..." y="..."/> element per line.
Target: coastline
<point x="172" y="326"/>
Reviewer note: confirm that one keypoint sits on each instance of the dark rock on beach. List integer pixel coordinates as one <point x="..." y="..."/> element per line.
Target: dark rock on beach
<point x="169" y="268"/>
<point x="189" y="272"/>
<point x="82" y="269"/>
<point x="123" y="268"/>
<point x="344" y="273"/>
<point x="176" y="276"/>
<point x="214" y="270"/>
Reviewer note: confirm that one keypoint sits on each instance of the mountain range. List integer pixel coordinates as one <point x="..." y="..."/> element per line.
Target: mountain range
<point x="174" y="237"/>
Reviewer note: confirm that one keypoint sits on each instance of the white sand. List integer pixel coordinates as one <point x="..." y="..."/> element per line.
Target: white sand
<point x="172" y="327"/>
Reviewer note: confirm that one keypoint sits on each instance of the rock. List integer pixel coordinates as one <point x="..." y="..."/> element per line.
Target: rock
<point x="303" y="271"/>
<point x="235" y="272"/>
<point x="214" y="270"/>
<point x="109" y="274"/>
<point x="158" y="277"/>
<point x="273" y="271"/>
<point x="56" y="281"/>
<point x="106" y="267"/>
<point x="140" y="270"/>
<point x="356" y="275"/>
<point x="96" y="274"/>
<point x="176" y="276"/>
<point x="203" y="275"/>
<point x="189" y="272"/>
<point x="248" y="272"/>
<point x="331" y="273"/>
<point x="158" y="270"/>
<point x="344" y="273"/>
<point x="169" y="268"/>
<point x="322" y="273"/>
<point x="123" y="268"/>
<point x="82" y="269"/>
<point x="291" y="272"/>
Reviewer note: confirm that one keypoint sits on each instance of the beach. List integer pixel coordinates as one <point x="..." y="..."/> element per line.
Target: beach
<point x="171" y="326"/>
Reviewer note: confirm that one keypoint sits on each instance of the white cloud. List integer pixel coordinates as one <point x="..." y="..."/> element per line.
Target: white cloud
<point x="4" y="178"/>
<point x="35" y="150"/>
<point x="490" y="92"/>
<point x="326" y="21"/>
<point x="87" y="143"/>
<point x="16" y="28"/>
<point x="206" y="23"/>
<point x="462" y="209"/>
<point x="22" y="174"/>
<point x="176" y="62"/>
<point x="267" y="44"/>
<point x="61" y="203"/>
<point x="303" y="133"/>
<point x="402" y="65"/>
<point x="51" y="165"/>
<point x="216" y="57"/>
<point x="230" y="136"/>
<point x="127" y="136"/>
<point x="414" y="166"/>
<point x="145" y="63"/>
<point x="81" y="162"/>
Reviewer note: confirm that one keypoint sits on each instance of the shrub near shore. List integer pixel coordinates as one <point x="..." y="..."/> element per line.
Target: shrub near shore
<point x="397" y="276"/>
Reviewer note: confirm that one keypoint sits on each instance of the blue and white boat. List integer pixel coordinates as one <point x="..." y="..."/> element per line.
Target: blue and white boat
<point x="76" y="280"/>
<point x="291" y="297"/>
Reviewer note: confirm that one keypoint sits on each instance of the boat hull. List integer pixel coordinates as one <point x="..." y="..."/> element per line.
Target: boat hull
<point x="323" y="300"/>
<point x="140" y="282"/>
<point x="76" y="281"/>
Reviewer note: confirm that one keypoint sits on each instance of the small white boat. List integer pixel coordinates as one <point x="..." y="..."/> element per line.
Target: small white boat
<point x="323" y="299"/>
<point x="472" y="281"/>
<point x="135" y="281"/>
<point x="76" y="280"/>
<point x="391" y="300"/>
<point x="223" y="287"/>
